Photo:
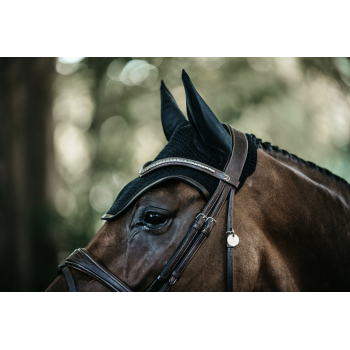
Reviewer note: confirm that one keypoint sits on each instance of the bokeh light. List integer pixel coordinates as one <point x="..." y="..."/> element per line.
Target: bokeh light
<point x="107" y="119"/>
<point x="68" y="65"/>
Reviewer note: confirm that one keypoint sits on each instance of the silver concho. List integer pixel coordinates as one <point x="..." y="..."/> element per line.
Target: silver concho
<point x="232" y="240"/>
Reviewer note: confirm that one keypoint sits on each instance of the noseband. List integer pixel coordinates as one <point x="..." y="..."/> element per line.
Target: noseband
<point x="81" y="260"/>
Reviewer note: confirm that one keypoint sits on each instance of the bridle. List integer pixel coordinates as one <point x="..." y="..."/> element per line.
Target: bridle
<point x="81" y="260"/>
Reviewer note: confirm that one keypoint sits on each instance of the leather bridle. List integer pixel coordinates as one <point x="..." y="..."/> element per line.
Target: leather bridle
<point x="81" y="260"/>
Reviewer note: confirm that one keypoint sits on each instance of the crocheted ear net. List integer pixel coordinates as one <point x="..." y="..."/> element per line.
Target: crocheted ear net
<point x="183" y="144"/>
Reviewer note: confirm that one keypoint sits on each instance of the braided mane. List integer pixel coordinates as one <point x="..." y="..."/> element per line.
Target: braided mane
<point x="268" y="147"/>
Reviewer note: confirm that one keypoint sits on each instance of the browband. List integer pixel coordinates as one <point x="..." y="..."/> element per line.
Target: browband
<point x="150" y="166"/>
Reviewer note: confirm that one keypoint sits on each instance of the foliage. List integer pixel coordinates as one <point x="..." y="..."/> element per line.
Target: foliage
<point x="107" y="120"/>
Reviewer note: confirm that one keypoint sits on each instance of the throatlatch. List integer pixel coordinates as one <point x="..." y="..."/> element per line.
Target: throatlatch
<point x="200" y="231"/>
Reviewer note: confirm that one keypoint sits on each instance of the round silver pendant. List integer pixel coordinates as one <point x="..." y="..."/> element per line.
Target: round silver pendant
<point x="232" y="240"/>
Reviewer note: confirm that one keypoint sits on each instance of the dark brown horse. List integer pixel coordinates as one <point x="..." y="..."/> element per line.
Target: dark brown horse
<point x="292" y="219"/>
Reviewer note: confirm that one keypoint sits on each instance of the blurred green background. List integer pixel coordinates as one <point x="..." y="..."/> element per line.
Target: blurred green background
<point x="74" y="131"/>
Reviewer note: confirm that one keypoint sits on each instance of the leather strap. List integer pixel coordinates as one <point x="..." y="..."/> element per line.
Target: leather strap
<point x="204" y="234"/>
<point x="185" y="254"/>
<point x="69" y="278"/>
<point x="230" y="268"/>
<point x="194" y="183"/>
<point x="234" y="169"/>
<point x="82" y="261"/>
<point x="187" y="241"/>
<point x="239" y="155"/>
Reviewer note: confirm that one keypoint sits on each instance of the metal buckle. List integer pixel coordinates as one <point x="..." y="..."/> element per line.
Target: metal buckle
<point x="211" y="219"/>
<point x="200" y="215"/>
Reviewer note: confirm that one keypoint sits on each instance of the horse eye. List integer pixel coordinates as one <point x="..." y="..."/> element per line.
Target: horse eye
<point x="155" y="219"/>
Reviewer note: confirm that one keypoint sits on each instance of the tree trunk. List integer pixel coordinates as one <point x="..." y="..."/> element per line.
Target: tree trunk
<point x="27" y="254"/>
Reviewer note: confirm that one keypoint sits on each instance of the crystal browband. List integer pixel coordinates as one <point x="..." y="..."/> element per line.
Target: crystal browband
<point x="150" y="166"/>
<point x="172" y="160"/>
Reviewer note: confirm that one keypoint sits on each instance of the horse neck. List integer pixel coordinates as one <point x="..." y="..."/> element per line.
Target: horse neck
<point x="302" y="225"/>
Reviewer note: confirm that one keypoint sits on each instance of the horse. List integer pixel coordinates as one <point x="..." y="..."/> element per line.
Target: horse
<point x="291" y="217"/>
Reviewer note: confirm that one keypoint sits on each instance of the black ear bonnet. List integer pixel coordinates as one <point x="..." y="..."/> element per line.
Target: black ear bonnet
<point x="202" y="139"/>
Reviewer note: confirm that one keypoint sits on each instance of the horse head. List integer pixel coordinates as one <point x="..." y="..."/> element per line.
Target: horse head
<point x="153" y="214"/>
<point x="174" y="227"/>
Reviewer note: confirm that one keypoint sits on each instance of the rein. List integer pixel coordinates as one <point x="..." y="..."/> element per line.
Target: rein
<point x="81" y="260"/>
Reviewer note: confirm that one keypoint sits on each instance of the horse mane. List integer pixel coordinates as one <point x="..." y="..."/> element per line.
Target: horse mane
<point x="268" y="147"/>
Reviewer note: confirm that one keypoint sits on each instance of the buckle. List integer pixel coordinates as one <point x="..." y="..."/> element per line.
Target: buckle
<point x="211" y="219"/>
<point x="209" y="224"/>
<point x="199" y="216"/>
<point x="199" y="221"/>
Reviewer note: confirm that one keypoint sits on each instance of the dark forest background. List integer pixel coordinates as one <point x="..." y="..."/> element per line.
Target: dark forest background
<point x="74" y="131"/>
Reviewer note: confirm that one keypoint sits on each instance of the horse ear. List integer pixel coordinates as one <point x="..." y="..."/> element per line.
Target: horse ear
<point x="206" y="125"/>
<point x="172" y="117"/>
